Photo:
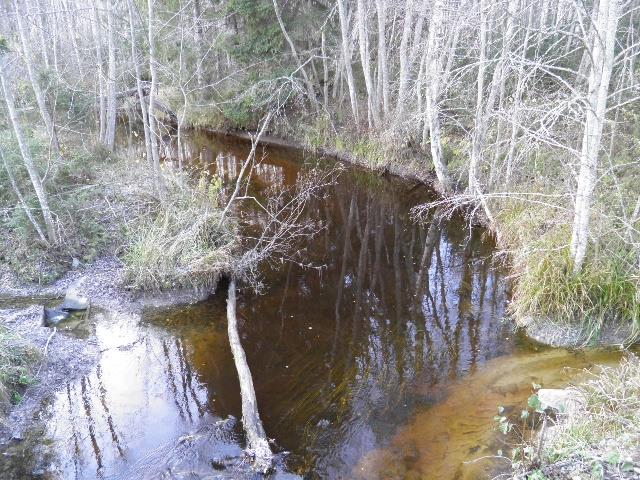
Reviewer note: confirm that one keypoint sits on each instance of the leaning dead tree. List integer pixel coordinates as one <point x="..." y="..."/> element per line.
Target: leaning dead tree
<point x="282" y="228"/>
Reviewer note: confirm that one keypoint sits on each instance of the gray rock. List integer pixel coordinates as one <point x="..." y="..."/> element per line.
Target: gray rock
<point x="561" y="400"/>
<point x="73" y="301"/>
<point x="52" y="316"/>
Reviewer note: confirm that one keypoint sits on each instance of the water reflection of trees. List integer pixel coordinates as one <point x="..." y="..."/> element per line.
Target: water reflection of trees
<point x="410" y="304"/>
<point x="340" y="354"/>
<point x="141" y="393"/>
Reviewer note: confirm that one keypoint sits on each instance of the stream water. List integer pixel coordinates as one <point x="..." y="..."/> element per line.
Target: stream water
<point x="386" y="359"/>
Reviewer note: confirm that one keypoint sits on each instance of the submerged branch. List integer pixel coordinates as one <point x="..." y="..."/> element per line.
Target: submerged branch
<point x="256" y="437"/>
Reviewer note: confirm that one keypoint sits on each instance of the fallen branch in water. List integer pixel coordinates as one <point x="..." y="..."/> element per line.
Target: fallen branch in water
<point x="256" y="437"/>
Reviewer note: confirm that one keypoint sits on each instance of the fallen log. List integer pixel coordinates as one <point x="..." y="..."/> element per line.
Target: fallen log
<point x="258" y="444"/>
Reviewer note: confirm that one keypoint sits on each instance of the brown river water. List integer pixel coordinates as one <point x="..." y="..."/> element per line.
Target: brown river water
<point x="385" y="360"/>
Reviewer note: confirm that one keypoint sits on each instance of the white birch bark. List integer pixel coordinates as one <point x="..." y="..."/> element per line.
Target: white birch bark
<point x="309" y="86"/>
<point x="477" y="140"/>
<point x="515" y="116"/>
<point x="346" y="54"/>
<point x="383" y="68"/>
<point x="432" y="85"/>
<point x="598" y="89"/>
<point x="110" y="128"/>
<point x="363" y="41"/>
<point x="153" y="135"/>
<point x="25" y="153"/>
<point x="403" y="74"/>
<point x="21" y="200"/>
<point x="35" y="85"/>
<point x="102" y="104"/>
<point x="199" y="40"/>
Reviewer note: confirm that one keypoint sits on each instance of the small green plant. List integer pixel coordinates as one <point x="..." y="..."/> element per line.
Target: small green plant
<point x="596" y="439"/>
<point x="16" y="360"/>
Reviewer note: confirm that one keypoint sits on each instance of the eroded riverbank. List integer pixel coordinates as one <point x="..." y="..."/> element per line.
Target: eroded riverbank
<point x="385" y="324"/>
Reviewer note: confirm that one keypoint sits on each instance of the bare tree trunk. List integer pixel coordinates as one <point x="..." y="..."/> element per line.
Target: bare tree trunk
<point x="71" y="34"/>
<point x="598" y="88"/>
<point x="515" y="116"/>
<point x="325" y="73"/>
<point x="41" y="25"/>
<point x="383" y="69"/>
<point x="346" y="54"/>
<point x="21" y="200"/>
<point x="141" y="97"/>
<point x="501" y="71"/>
<point x="153" y="136"/>
<point x="310" y="91"/>
<point x="404" y="60"/>
<point x="102" y="108"/>
<point x="363" y="40"/>
<point x="26" y="154"/>
<point x="55" y="43"/>
<point x="197" y="24"/>
<point x="476" y="145"/>
<point x="110" y="129"/>
<point x="432" y="84"/>
<point x="256" y="436"/>
<point x="40" y="100"/>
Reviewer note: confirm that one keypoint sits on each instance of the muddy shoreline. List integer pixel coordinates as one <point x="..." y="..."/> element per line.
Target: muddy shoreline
<point x="66" y="357"/>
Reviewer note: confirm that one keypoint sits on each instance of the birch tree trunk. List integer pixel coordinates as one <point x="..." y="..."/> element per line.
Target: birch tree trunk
<point x="256" y="436"/>
<point x="71" y="34"/>
<point x="153" y="136"/>
<point x="404" y="60"/>
<point x="363" y="40"/>
<point x="40" y="100"/>
<point x="102" y="105"/>
<point x="383" y="69"/>
<point x="598" y="89"/>
<point x="325" y="73"/>
<point x="310" y="90"/>
<point x="520" y="82"/>
<point x="141" y="97"/>
<point x="198" y="37"/>
<point x="476" y="145"/>
<point x="21" y="200"/>
<point x="26" y="154"/>
<point x="346" y="54"/>
<point x="110" y="129"/>
<point x="42" y="33"/>
<point x="432" y="84"/>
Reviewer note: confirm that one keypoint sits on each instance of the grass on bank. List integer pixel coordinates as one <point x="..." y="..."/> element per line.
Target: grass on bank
<point x="105" y="203"/>
<point x="605" y="293"/>
<point x="16" y="360"/>
<point x="179" y="242"/>
<point x="600" y="437"/>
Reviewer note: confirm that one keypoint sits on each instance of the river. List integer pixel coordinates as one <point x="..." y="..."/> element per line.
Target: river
<point x="385" y="356"/>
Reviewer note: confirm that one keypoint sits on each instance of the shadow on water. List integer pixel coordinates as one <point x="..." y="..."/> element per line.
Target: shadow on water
<point x="369" y="362"/>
